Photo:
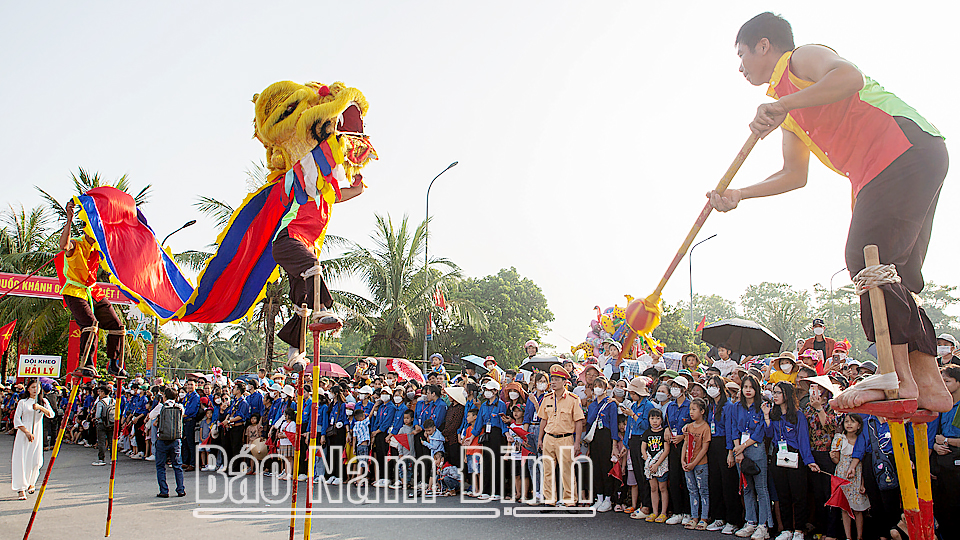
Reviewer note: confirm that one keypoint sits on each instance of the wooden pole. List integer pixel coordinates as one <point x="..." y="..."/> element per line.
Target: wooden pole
<point x="308" y="521"/>
<point x="63" y="427"/>
<point x="116" y="437"/>
<point x="296" y="447"/>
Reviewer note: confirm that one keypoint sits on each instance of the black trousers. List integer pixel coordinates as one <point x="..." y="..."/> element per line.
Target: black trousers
<point x="139" y="435"/>
<point x="189" y="442"/>
<point x="679" y="496"/>
<point x="885" y="505"/>
<point x="234" y="442"/>
<point x="336" y="440"/>
<point x="636" y="458"/>
<point x="818" y="491"/>
<point x="791" y="487"/>
<point x="296" y="258"/>
<point x="894" y="211"/>
<point x="380" y="451"/>
<point x="600" y="450"/>
<point x="726" y="503"/>
<point x="101" y="312"/>
<point x="492" y="466"/>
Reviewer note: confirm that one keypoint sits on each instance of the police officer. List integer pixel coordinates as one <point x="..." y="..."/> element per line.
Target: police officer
<point x="561" y="426"/>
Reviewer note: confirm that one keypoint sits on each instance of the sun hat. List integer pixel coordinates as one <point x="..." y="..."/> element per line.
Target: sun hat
<point x="639" y="385"/>
<point x="457" y="393"/>
<point x="681" y="381"/>
<point x="289" y="391"/>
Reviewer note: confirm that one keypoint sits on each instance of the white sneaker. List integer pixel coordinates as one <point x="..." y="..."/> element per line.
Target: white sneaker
<point x="729" y="528"/>
<point x="675" y="520"/>
<point x="605" y="505"/>
<point x="785" y="535"/>
<point x="483" y="497"/>
<point x="380" y="483"/>
<point x="283" y="476"/>
<point x="396" y="485"/>
<point x="151" y="458"/>
<point x="746" y="531"/>
<point x="317" y="479"/>
<point x="99" y="463"/>
<point x="222" y="468"/>
<point x="798" y="535"/>
<point x="494" y="497"/>
<point x="761" y="533"/>
<point x="596" y="504"/>
<point x="716" y="525"/>
<point x="334" y="481"/>
<point x="686" y="519"/>
<point x="301" y="478"/>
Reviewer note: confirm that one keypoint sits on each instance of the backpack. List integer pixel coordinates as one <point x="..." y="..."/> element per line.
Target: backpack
<point x="109" y="412"/>
<point x="170" y="427"/>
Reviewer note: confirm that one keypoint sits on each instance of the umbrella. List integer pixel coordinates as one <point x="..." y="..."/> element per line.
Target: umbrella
<point x="330" y="369"/>
<point x="746" y="337"/>
<point x="477" y="363"/>
<point x="405" y="369"/>
<point x="541" y="363"/>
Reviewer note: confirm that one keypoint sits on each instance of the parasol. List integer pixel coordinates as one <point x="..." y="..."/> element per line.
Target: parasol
<point x="747" y="337"/>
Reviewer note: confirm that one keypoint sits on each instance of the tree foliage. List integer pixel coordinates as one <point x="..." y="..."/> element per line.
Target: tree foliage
<point x="515" y="308"/>
<point x="785" y="311"/>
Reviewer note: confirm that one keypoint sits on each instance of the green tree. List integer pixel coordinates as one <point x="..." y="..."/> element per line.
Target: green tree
<point x="935" y="301"/>
<point x="712" y="307"/>
<point x="779" y="307"/>
<point x="515" y="308"/>
<point x="674" y="331"/>
<point x="400" y="290"/>
<point x="205" y="346"/>
<point x="841" y="313"/>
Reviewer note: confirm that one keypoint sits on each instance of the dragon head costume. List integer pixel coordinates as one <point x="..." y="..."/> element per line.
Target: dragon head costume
<point x="292" y="119"/>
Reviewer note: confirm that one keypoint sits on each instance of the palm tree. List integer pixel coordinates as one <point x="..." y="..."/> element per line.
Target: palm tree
<point x="400" y="290"/>
<point x="205" y="346"/>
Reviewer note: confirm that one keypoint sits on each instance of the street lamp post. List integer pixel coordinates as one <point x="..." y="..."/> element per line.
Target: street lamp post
<point x="833" y="313"/>
<point x="690" y="261"/>
<point x="156" y="321"/>
<point x="426" y="262"/>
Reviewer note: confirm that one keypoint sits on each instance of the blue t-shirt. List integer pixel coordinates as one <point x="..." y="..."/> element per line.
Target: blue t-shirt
<point x="636" y="427"/>
<point x="490" y="414"/>
<point x="742" y="420"/>
<point x="678" y="416"/>
<point x="606" y="408"/>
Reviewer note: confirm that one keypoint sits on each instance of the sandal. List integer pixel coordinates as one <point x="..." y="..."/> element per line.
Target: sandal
<point x="22" y="496"/>
<point x="691" y="525"/>
<point x="702" y="526"/>
<point x="31" y="489"/>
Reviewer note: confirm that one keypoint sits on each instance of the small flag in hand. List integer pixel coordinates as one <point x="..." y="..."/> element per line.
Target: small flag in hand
<point x="403" y="440"/>
<point x="837" y="498"/>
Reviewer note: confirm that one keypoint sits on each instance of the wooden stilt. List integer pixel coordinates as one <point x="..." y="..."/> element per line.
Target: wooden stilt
<point x="77" y="381"/>
<point x="312" y="455"/>
<point x="896" y="411"/>
<point x="296" y="447"/>
<point x="116" y="439"/>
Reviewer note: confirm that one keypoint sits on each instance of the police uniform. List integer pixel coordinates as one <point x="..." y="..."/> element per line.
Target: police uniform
<point x="559" y="414"/>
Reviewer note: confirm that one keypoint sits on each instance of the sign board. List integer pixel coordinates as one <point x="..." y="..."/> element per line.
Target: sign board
<point x="49" y="287"/>
<point x="38" y="365"/>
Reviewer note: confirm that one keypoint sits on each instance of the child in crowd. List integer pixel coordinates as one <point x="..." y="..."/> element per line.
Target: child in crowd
<point x="287" y="428"/>
<point x="361" y="438"/>
<point x="841" y="452"/>
<point x="515" y="457"/>
<point x="205" y="425"/>
<point x="626" y="470"/>
<point x="472" y="451"/>
<point x="405" y="463"/>
<point x="693" y="458"/>
<point x="252" y="433"/>
<point x="655" y="448"/>
<point x="447" y="476"/>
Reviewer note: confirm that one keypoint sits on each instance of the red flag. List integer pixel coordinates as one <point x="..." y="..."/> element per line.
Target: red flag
<point x="438" y="298"/>
<point x="837" y="498"/>
<point x="291" y="436"/>
<point x="700" y="326"/>
<point x="402" y="440"/>
<point x="616" y="472"/>
<point x="5" y="332"/>
<point x="519" y="431"/>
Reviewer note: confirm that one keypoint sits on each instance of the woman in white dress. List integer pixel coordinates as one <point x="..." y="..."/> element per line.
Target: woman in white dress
<point x="28" y="446"/>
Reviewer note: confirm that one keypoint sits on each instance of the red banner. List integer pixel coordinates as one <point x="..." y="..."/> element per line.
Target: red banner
<point x="149" y="360"/>
<point x="49" y="287"/>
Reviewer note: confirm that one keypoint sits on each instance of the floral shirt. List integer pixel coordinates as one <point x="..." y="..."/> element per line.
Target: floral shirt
<point x="821" y="435"/>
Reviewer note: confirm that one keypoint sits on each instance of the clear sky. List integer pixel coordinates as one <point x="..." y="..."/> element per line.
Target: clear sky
<point x="587" y="132"/>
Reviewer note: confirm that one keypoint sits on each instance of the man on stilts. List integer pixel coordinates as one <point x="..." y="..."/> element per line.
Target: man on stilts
<point x="87" y="305"/>
<point x="896" y="161"/>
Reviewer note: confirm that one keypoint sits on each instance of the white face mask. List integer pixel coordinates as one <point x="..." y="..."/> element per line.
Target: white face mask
<point x="514" y="395"/>
<point x="713" y="392"/>
<point x="385" y="398"/>
<point x="818" y="330"/>
<point x="599" y="391"/>
<point x="609" y="392"/>
<point x="675" y="392"/>
<point x="397" y="399"/>
<point x="619" y="392"/>
<point x="217" y="401"/>
<point x="488" y="394"/>
<point x="661" y="396"/>
<point x="541" y="386"/>
<point x="943" y="349"/>
<point x="411" y="395"/>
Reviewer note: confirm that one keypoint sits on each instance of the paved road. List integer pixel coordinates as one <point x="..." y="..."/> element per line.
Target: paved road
<point x="74" y="507"/>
